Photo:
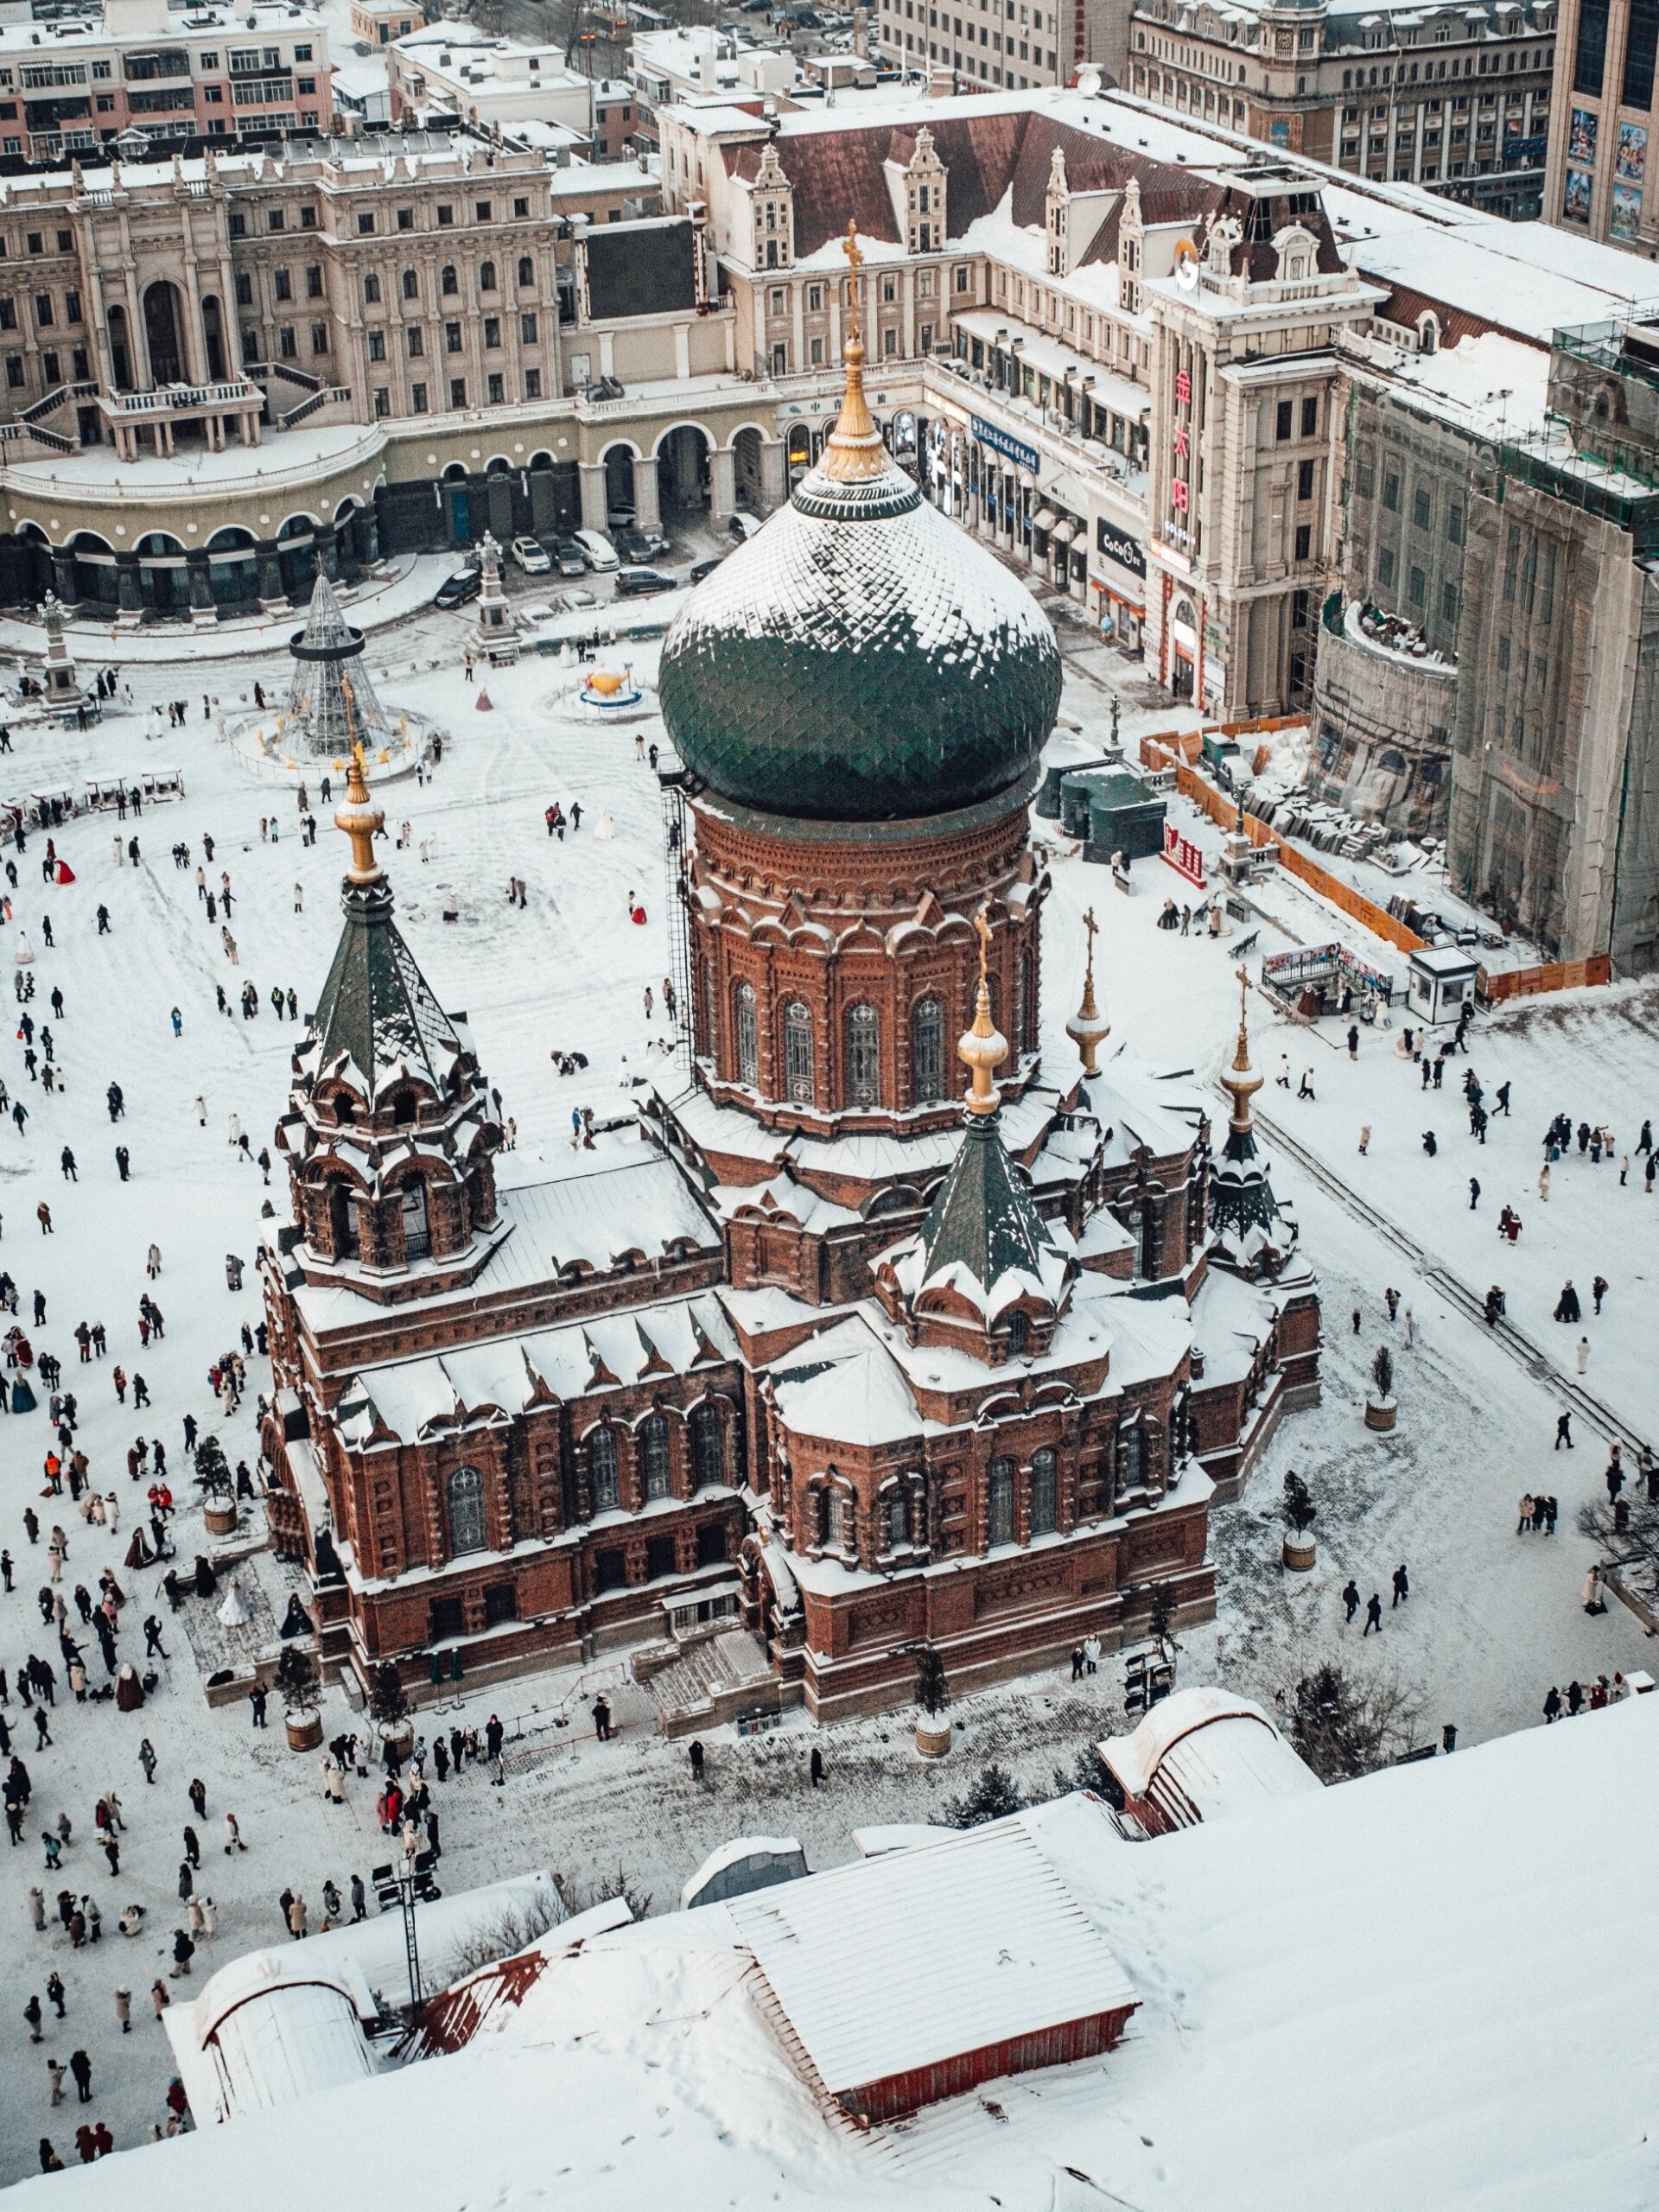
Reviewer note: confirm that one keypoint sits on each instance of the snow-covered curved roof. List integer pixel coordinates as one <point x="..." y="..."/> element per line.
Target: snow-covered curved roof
<point x="1204" y="1753"/>
<point x="859" y="659"/>
<point x="270" y="2028"/>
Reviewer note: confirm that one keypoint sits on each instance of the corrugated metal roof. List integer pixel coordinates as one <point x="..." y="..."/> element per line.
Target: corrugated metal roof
<point x="975" y="1941"/>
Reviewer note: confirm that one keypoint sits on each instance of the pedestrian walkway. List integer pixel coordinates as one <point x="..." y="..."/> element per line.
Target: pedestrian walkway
<point x="1519" y="1347"/>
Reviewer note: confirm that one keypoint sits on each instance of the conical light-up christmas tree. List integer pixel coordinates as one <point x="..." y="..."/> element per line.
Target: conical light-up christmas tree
<point x="319" y="717"/>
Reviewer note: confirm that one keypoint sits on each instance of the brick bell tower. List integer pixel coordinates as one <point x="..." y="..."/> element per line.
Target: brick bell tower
<point x="389" y="1135"/>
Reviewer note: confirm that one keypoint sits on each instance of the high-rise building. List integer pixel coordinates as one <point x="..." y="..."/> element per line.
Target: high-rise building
<point x="1598" y="182"/>
<point x="1457" y="99"/>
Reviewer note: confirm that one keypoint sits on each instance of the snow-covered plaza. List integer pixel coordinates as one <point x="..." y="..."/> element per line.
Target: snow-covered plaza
<point x="1493" y="1620"/>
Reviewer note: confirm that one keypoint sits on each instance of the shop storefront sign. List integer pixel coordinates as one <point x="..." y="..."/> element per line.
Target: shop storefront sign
<point x="1011" y="448"/>
<point x="1119" y="546"/>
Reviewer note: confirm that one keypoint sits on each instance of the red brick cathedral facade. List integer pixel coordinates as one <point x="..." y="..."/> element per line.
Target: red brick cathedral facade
<point x="823" y="1355"/>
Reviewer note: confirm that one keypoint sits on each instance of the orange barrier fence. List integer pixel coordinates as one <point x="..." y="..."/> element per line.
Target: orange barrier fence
<point x="1155" y="753"/>
<point x="1554" y="976"/>
<point x="1170" y="749"/>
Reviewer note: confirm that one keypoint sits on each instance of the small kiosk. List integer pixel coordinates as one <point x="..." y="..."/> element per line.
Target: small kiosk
<point x="1442" y="979"/>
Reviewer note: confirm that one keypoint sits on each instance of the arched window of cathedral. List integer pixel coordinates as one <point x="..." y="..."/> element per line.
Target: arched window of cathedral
<point x="405" y="1108"/>
<point x="653" y="1452"/>
<point x="830" y="1516"/>
<point x="707" y="1454"/>
<point x="1000" y="1505"/>
<point x="898" y="1521"/>
<point x="1129" y="1457"/>
<point x="749" y="1045"/>
<point x="602" y="1459"/>
<point x="465" y="1511"/>
<point x="1018" y="1334"/>
<point x="1045" y="1485"/>
<point x="798" y="1051"/>
<point x="863" y="1056"/>
<point x="417" y="1229"/>
<point x="1028" y="1001"/>
<point x="927" y="1049"/>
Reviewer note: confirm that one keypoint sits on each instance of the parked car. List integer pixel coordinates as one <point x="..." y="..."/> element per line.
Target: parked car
<point x="640" y="545"/>
<point x="741" y="525"/>
<point x="705" y="568"/>
<point x="456" y="590"/>
<point x="575" y="602"/>
<point x="531" y="557"/>
<point x="597" y="549"/>
<point x="637" y="583"/>
<point x="620" y="517"/>
<point x="568" y="558"/>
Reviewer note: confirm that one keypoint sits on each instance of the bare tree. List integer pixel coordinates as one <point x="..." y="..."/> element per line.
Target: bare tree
<point x="514" y="1930"/>
<point x="1344" y="1727"/>
<point x="1626" y="1534"/>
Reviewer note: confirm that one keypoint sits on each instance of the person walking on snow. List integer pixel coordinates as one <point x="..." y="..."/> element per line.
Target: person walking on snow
<point x="1373" y="1615"/>
<point x="1584" y="1355"/>
<point x="1401" y="1586"/>
<point x="1350" y="1601"/>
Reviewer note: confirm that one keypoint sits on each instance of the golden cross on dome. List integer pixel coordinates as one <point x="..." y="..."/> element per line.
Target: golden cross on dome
<point x="359" y="818"/>
<point x="855" y="263"/>
<point x="854" y="453"/>
<point x="1091" y="929"/>
<point x="981" y="1049"/>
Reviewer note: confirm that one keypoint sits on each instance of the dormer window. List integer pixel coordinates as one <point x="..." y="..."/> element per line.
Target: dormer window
<point x="405" y="1108"/>
<point x="1019" y="1334"/>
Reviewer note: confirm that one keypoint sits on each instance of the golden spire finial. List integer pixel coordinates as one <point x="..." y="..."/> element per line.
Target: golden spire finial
<point x="853" y="452"/>
<point x="1086" y="1029"/>
<point x="358" y="816"/>
<point x="981" y="1049"/>
<point x="1242" y="1080"/>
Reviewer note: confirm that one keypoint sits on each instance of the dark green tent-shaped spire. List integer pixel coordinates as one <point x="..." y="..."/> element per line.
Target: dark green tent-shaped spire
<point x="983" y="1220"/>
<point x="1241" y="1197"/>
<point x="377" y="1016"/>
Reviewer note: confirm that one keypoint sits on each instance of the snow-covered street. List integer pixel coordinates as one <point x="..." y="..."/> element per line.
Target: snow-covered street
<point x="1493" y="1620"/>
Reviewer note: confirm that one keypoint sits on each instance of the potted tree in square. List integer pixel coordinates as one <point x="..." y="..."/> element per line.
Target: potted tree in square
<point x="1380" y="1408"/>
<point x="301" y="1689"/>
<point x="1300" y="1550"/>
<point x="932" y="1695"/>
<point x="389" y="1709"/>
<point x="217" y="1487"/>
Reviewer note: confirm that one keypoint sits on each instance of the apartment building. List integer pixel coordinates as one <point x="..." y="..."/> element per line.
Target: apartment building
<point x="1457" y="99"/>
<point x="456" y="72"/>
<point x="1597" y="180"/>
<point x="1009" y="45"/>
<point x="85" y="81"/>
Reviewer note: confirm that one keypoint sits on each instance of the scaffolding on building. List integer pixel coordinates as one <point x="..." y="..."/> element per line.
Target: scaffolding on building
<point x="676" y="869"/>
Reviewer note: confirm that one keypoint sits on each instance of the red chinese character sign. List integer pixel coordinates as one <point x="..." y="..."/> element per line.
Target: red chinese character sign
<point x="1179" y="526"/>
<point x="1183" y="855"/>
